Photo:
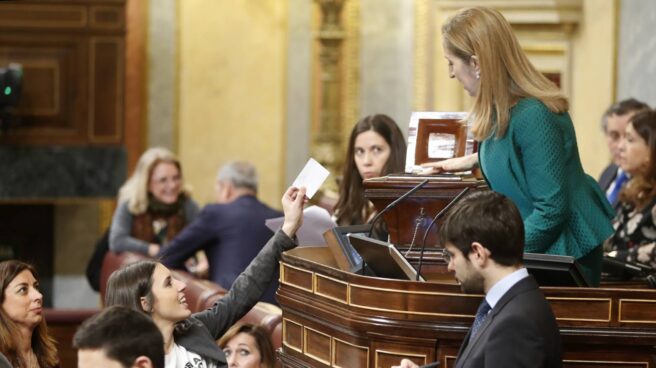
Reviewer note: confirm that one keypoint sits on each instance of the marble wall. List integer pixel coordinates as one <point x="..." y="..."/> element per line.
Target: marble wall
<point x="386" y="59"/>
<point x="50" y="172"/>
<point x="636" y="67"/>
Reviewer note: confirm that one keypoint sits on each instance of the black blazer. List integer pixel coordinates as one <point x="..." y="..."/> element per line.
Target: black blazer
<point x="520" y="331"/>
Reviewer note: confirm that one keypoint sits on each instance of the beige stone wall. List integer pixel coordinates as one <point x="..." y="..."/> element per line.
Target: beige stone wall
<point x="593" y="77"/>
<point x="232" y="69"/>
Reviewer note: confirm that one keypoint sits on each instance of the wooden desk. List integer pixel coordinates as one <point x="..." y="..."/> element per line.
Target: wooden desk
<point x="416" y="211"/>
<point x="332" y="318"/>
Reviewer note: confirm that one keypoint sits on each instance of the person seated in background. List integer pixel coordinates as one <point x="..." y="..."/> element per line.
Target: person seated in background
<point x="153" y="207"/>
<point x="230" y="232"/>
<point x="247" y="346"/>
<point x="613" y="123"/>
<point x="635" y="223"/>
<point x="24" y="339"/>
<point x="483" y="237"/>
<point x="119" y="337"/>
<point x="190" y="339"/>
<point x="376" y="148"/>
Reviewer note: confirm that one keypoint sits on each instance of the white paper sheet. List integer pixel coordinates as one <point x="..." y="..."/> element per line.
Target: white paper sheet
<point x="316" y="221"/>
<point x="311" y="177"/>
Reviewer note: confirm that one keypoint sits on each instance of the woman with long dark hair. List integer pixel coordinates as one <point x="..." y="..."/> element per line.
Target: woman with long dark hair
<point x="634" y="239"/>
<point x="190" y="340"/>
<point x="376" y="148"/>
<point x="24" y="339"/>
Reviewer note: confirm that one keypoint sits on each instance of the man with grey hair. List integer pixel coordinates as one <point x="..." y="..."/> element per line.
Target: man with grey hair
<point x="231" y="232"/>
<point x="613" y="123"/>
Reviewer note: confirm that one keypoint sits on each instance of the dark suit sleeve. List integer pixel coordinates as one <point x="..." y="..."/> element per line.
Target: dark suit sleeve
<point x="514" y="343"/>
<point x="192" y="238"/>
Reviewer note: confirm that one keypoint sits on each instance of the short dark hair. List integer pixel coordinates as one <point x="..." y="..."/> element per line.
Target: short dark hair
<point x="123" y="334"/>
<point x="261" y="337"/>
<point x="488" y="218"/>
<point x="622" y="108"/>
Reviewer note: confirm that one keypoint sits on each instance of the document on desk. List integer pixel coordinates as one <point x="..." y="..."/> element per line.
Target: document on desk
<point x="316" y="221"/>
<point x="311" y="177"/>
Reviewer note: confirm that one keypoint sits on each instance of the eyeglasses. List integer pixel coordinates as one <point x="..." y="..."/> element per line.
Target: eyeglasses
<point x="447" y="256"/>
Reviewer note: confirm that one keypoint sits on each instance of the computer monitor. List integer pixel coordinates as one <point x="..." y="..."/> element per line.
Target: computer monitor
<point x="554" y="270"/>
<point x="382" y="259"/>
<point x="346" y="256"/>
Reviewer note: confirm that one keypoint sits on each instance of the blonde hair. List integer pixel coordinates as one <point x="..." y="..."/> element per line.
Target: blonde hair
<point x="506" y="74"/>
<point x="135" y="189"/>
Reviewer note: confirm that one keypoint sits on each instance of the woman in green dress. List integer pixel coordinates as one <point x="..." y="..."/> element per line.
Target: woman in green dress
<point x="528" y="148"/>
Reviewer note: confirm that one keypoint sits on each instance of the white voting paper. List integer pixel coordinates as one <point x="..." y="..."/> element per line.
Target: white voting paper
<point x="311" y="177"/>
<point x="316" y="221"/>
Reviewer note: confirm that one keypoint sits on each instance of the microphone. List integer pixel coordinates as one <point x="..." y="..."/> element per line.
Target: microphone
<point x="437" y="217"/>
<point x="394" y="203"/>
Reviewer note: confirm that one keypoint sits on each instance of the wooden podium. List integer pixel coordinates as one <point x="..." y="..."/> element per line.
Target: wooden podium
<point x="334" y="318"/>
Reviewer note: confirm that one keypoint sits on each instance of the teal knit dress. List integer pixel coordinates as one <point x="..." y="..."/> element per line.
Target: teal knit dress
<point x="536" y="164"/>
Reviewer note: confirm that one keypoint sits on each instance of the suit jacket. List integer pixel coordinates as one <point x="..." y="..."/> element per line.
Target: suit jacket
<point x="608" y="176"/>
<point x="537" y="165"/>
<point x="520" y="331"/>
<point x="231" y="235"/>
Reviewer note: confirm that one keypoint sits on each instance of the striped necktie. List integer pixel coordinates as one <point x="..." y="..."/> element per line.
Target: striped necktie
<point x="481" y="314"/>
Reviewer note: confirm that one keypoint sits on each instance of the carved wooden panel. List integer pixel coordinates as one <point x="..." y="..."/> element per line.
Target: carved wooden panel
<point x="73" y="58"/>
<point x="389" y="320"/>
<point x="346" y="354"/>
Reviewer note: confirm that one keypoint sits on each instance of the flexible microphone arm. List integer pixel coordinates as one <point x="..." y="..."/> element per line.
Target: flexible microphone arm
<point x="437" y="217"/>
<point x="394" y="203"/>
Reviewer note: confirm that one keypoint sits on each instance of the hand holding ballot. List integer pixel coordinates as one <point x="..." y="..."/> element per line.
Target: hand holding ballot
<point x="307" y="183"/>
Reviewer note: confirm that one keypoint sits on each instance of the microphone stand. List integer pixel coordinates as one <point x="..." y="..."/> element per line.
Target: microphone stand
<point x="394" y="203"/>
<point x="438" y="216"/>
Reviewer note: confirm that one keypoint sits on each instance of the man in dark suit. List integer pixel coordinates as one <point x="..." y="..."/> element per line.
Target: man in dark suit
<point x="483" y="238"/>
<point x="230" y="232"/>
<point x="613" y="123"/>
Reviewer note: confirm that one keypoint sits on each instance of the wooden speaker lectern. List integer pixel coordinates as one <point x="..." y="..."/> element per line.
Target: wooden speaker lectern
<point x="334" y="318"/>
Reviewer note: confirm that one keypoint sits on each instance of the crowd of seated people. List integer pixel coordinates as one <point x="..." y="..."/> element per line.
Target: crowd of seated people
<point x="230" y="232"/>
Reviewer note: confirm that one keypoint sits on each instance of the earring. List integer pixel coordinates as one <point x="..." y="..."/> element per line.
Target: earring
<point x="478" y="74"/>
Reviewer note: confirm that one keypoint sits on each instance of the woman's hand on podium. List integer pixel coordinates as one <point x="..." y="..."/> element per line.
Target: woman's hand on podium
<point x="292" y="204"/>
<point x="406" y="363"/>
<point x="455" y="164"/>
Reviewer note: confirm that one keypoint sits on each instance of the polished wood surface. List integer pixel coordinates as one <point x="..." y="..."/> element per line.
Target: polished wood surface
<point x="334" y="318"/>
<point x="339" y="319"/>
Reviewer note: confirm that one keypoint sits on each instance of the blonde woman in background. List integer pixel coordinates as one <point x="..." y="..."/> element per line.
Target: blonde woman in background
<point x="153" y="207"/>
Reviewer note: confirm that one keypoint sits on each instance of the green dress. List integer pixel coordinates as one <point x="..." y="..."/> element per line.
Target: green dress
<point x="536" y="164"/>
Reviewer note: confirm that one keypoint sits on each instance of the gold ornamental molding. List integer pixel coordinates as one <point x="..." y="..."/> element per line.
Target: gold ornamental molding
<point x="327" y="138"/>
<point x="622" y="307"/>
<point x="608" y="301"/>
<point x="526" y="11"/>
